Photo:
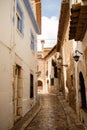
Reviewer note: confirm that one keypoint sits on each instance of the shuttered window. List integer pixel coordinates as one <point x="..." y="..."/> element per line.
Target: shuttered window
<point x="32" y="40"/>
<point x="20" y="18"/>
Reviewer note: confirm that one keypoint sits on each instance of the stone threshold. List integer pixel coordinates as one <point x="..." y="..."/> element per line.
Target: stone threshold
<point x="25" y="121"/>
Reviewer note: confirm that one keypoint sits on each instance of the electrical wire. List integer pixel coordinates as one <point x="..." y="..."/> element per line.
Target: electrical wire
<point x="47" y="39"/>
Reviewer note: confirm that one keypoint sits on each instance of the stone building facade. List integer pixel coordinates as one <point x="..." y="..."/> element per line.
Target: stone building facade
<point x="51" y="71"/>
<point x="18" y="60"/>
<point x="41" y="68"/>
<point x="65" y="49"/>
<point x="79" y="34"/>
<point x="47" y="65"/>
<point x="71" y="44"/>
<point x="41" y="80"/>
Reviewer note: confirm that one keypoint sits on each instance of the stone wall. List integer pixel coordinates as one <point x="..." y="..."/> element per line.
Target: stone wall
<point x="71" y="84"/>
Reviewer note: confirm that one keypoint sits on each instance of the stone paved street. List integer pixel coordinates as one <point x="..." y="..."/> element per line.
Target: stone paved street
<point x="52" y="116"/>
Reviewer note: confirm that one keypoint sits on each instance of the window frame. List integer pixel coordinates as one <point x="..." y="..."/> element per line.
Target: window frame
<point x="20" y="16"/>
<point x="32" y="42"/>
<point x="52" y="81"/>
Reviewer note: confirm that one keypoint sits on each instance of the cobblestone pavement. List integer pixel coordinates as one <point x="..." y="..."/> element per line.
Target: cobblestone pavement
<point x="52" y="116"/>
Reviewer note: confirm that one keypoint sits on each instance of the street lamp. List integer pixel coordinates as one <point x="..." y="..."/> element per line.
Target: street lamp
<point x="60" y="61"/>
<point x="61" y="72"/>
<point x="76" y="57"/>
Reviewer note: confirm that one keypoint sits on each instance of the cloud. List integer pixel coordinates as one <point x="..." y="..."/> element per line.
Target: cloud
<point x="49" y="31"/>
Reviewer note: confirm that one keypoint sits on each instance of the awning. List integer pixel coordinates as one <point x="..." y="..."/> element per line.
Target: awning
<point x="78" y="23"/>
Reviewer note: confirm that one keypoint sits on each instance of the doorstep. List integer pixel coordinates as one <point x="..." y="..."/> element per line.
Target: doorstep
<point x="24" y="121"/>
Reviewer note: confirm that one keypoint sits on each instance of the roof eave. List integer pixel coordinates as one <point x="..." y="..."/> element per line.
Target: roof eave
<point x="63" y="21"/>
<point x="38" y="13"/>
<point x="31" y="15"/>
<point x="78" y="24"/>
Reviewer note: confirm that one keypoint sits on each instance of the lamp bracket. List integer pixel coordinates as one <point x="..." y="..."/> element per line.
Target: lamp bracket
<point x="65" y="65"/>
<point x="78" y="52"/>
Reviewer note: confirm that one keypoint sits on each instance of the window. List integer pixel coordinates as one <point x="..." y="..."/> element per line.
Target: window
<point x="47" y="73"/>
<point x="55" y="72"/>
<point x="47" y="81"/>
<point x="32" y="40"/>
<point x="72" y="80"/>
<point x="53" y="63"/>
<point x="52" y="81"/>
<point x="20" y="18"/>
<point x="18" y="22"/>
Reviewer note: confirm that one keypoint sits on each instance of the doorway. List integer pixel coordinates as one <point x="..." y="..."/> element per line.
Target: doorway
<point x="31" y="86"/>
<point x="40" y="86"/>
<point x="83" y="92"/>
<point x="17" y="94"/>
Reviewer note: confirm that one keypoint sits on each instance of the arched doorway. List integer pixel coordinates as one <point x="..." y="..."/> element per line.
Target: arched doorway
<point x="83" y="92"/>
<point x="40" y="86"/>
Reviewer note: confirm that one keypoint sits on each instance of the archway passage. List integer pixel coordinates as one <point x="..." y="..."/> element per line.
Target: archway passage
<point x="83" y="92"/>
<point x="40" y="86"/>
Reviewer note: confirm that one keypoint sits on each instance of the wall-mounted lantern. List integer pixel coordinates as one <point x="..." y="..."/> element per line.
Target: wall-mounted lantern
<point x="76" y="57"/>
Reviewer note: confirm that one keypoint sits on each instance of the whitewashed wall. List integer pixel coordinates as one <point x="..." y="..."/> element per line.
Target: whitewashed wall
<point x="12" y="46"/>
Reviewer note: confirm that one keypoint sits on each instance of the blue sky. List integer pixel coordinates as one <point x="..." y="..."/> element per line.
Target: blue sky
<point x="50" y="8"/>
<point x="50" y="19"/>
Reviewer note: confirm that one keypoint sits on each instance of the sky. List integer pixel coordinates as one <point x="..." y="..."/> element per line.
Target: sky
<point x="50" y="19"/>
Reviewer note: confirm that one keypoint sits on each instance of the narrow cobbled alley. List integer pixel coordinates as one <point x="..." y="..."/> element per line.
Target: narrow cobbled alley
<point x="54" y="115"/>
